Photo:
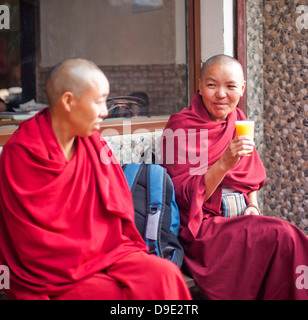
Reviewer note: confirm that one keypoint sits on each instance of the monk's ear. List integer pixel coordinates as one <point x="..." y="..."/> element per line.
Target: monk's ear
<point x="67" y="100"/>
<point x="243" y="87"/>
<point x="200" y="85"/>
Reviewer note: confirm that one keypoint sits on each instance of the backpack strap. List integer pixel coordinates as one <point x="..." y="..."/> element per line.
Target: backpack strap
<point x="155" y="206"/>
<point x="175" y="216"/>
<point x="132" y="172"/>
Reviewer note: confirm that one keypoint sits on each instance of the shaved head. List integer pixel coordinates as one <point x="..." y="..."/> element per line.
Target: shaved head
<point x="72" y="75"/>
<point x="220" y="59"/>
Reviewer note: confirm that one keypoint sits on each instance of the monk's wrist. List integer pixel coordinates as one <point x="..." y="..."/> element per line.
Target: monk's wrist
<point x="255" y="206"/>
<point x="222" y="166"/>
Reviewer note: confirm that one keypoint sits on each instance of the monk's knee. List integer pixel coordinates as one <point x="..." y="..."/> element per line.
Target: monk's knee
<point x="166" y="268"/>
<point x="278" y="233"/>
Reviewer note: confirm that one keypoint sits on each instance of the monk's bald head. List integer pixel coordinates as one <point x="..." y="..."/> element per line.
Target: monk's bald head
<point x="72" y="75"/>
<point x="221" y="59"/>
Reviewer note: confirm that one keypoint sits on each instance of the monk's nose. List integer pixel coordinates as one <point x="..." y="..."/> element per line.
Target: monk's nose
<point x="221" y="92"/>
<point x="104" y="111"/>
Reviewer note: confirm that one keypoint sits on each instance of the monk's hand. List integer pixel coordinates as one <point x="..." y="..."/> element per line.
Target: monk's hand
<point x="251" y="211"/>
<point x="237" y="148"/>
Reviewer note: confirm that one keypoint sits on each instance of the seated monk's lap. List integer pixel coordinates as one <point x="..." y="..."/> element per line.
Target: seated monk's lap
<point x="97" y="287"/>
<point x="136" y="276"/>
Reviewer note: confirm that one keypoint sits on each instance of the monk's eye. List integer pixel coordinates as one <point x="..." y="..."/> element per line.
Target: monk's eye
<point x="211" y="85"/>
<point x="101" y="101"/>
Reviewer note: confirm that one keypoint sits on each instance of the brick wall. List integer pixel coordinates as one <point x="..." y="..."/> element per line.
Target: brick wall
<point x="165" y="85"/>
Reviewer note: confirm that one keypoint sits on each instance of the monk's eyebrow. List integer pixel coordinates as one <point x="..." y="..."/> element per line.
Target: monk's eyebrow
<point x="232" y="81"/>
<point x="210" y="79"/>
<point x="213" y="80"/>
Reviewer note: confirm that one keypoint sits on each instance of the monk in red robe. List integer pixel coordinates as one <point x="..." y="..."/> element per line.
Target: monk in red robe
<point x="66" y="217"/>
<point x="249" y="256"/>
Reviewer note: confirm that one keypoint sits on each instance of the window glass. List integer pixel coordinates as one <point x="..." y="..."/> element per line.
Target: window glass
<point x="10" y="66"/>
<point x="139" y="44"/>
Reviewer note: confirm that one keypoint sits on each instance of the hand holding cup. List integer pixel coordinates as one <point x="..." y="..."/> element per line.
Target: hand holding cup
<point x="245" y="128"/>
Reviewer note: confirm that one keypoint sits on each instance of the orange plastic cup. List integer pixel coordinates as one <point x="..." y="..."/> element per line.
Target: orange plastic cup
<point x="245" y="128"/>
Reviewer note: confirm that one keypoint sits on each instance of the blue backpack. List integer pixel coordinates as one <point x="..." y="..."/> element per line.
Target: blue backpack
<point x="156" y="212"/>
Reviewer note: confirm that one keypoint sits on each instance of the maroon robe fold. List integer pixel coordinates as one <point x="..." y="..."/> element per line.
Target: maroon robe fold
<point x="229" y="258"/>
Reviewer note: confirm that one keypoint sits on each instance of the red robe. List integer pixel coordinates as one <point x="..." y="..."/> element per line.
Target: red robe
<point x="229" y="258"/>
<point x="66" y="226"/>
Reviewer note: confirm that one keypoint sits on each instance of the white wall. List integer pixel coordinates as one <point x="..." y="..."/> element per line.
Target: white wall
<point x="216" y="28"/>
<point x="180" y="32"/>
<point x="228" y="28"/>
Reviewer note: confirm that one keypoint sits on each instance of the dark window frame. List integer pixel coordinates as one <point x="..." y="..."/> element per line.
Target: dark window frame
<point x="241" y="41"/>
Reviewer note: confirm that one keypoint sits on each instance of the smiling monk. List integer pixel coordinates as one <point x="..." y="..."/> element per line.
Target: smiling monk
<point x="66" y="218"/>
<point x="247" y="257"/>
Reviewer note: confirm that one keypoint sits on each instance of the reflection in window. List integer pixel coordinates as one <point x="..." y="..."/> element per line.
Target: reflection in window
<point x="139" y="44"/>
<point x="10" y="75"/>
<point x="138" y="51"/>
<point x="18" y="54"/>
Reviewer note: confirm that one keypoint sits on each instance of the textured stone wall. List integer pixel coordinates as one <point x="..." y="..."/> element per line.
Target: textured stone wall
<point x="254" y="86"/>
<point x="285" y="112"/>
<point x="135" y="147"/>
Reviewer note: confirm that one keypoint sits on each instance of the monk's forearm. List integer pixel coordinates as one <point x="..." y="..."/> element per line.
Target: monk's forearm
<point x="213" y="178"/>
<point x="252" y="198"/>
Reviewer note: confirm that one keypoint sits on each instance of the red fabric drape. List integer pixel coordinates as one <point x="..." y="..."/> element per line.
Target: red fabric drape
<point x="247" y="257"/>
<point x="211" y="141"/>
<point x="61" y="221"/>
